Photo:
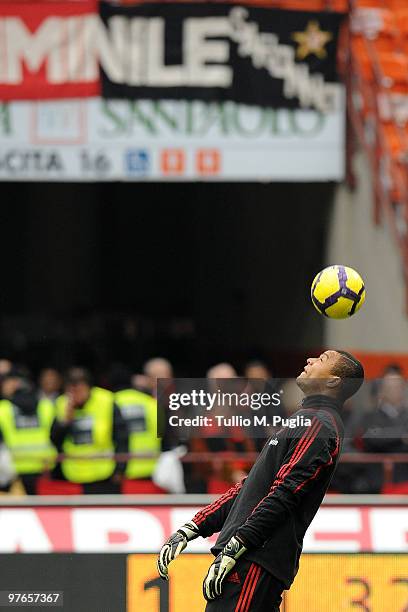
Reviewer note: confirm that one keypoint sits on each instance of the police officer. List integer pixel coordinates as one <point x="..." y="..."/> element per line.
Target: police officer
<point x="139" y="411"/>
<point x="89" y="423"/>
<point x="25" y="424"/>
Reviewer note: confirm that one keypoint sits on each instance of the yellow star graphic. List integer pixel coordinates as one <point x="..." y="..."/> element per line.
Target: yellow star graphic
<point x="312" y="41"/>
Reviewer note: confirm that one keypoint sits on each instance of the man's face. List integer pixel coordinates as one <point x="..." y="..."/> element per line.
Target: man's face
<point x="317" y="372"/>
<point x="158" y="370"/>
<point x="10" y="386"/>
<point x="257" y="371"/>
<point x="392" y="390"/>
<point x="50" y="381"/>
<point x="79" y="392"/>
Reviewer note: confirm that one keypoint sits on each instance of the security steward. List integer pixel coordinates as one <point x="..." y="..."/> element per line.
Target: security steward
<point x="25" y="424"/>
<point x="139" y="411"/>
<point x="89" y="423"/>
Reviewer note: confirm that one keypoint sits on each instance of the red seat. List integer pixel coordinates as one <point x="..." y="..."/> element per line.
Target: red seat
<point x="369" y="4"/>
<point x="341" y="6"/>
<point x="395" y="488"/>
<point x="299" y="5"/>
<point x="396" y="5"/>
<point x="146" y="487"/>
<point x="361" y="58"/>
<point x="393" y="144"/>
<point x="393" y="107"/>
<point x="374" y="22"/>
<point x="217" y="486"/>
<point x="46" y="486"/>
<point x="362" y="77"/>
<point x="401" y="19"/>
<point x="392" y="139"/>
<point x="392" y="73"/>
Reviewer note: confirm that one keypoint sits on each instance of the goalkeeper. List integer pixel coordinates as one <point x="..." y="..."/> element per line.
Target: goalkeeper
<point x="263" y="519"/>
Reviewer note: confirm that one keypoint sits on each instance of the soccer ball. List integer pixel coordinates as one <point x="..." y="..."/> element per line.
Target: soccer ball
<point x="338" y="292"/>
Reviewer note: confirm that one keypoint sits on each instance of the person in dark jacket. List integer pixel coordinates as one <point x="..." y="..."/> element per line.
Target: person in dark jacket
<point x="263" y="519"/>
<point x="385" y="429"/>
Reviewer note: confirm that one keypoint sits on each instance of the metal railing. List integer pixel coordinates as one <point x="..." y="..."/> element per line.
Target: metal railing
<point x="179" y="500"/>
<point x="388" y="461"/>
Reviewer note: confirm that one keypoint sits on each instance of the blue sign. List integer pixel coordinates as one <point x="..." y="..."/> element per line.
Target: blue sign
<point x="137" y="161"/>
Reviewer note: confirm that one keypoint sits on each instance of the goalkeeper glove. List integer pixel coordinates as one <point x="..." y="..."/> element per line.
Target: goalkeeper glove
<point x="221" y="566"/>
<point x="174" y="546"/>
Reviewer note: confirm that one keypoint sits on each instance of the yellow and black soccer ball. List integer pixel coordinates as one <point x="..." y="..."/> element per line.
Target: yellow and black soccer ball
<point x="338" y="292"/>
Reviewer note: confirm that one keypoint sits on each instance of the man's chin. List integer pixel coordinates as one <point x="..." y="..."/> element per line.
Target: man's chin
<point x="301" y="380"/>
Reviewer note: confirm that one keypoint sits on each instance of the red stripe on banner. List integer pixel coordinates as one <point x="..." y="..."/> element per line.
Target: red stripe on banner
<point x="252" y="591"/>
<point x="245" y="587"/>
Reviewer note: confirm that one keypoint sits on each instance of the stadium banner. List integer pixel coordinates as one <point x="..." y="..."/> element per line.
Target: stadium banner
<point x="215" y="51"/>
<point x="72" y="583"/>
<point x="130" y="583"/>
<point x="197" y="51"/>
<point x="50" y="49"/>
<point x="102" y="140"/>
<point x="324" y="582"/>
<point x="335" y="529"/>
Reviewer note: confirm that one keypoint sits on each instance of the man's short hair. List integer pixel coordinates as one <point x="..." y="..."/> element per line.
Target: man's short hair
<point x="392" y="368"/>
<point x="351" y="372"/>
<point x="75" y="376"/>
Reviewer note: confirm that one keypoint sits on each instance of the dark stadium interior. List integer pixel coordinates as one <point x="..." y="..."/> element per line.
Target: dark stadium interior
<point x="118" y="274"/>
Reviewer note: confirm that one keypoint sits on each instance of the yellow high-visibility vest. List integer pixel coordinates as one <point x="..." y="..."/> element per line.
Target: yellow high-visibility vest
<point x="139" y="410"/>
<point x="28" y="436"/>
<point x="91" y="434"/>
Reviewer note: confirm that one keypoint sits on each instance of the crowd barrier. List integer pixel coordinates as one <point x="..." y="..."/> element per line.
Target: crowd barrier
<point x="387" y="460"/>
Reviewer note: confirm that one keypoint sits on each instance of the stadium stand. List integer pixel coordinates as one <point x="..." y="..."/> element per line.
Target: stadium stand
<point x="212" y="465"/>
<point x="375" y="67"/>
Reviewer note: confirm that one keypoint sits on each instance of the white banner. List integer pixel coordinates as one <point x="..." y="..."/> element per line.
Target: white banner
<point x="352" y="529"/>
<point x="99" y="140"/>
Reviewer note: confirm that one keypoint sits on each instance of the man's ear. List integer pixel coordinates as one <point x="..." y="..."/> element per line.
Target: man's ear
<point x="333" y="382"/>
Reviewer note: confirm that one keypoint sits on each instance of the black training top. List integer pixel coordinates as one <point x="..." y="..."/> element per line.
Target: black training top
<point x="271" y="509"/>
